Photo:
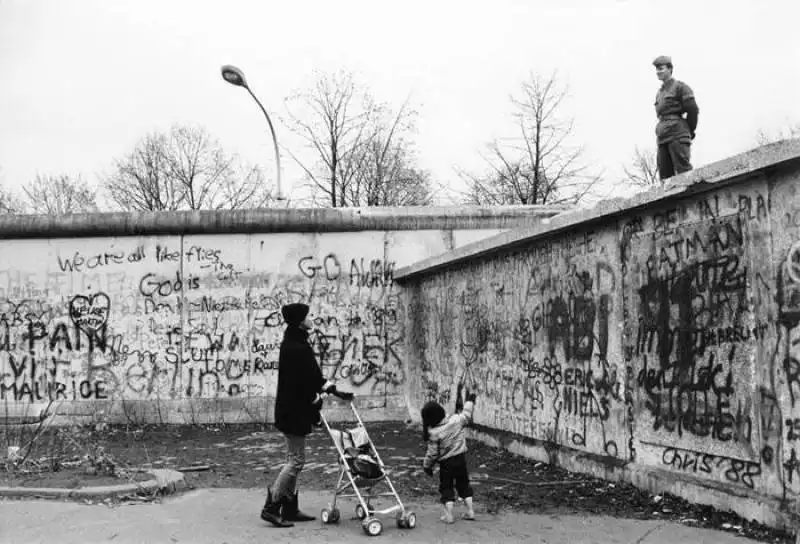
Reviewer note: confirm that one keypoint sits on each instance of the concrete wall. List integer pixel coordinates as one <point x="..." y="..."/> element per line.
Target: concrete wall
<point x="653" y="340"/>
<point x="175" y="317"/>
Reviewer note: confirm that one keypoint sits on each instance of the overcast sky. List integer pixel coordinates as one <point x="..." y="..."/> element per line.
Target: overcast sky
<point x="81" y="81"/>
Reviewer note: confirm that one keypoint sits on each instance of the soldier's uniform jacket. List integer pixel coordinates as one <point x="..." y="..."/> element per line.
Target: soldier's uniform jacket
<point x="670" y="106"/>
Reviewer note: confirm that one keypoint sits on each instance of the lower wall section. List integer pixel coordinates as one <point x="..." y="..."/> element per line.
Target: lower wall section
<point x="201" y="411"/>
<point x="750" y="505"/>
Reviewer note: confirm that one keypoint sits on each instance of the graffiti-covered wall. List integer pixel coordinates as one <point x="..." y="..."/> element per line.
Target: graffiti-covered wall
<point x="187" y="327"/>
<point x="660" y="332"/>
<point x="535" y="335"/>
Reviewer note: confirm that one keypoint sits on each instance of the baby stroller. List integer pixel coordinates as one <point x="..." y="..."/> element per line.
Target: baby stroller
<point x="361" y="468"/>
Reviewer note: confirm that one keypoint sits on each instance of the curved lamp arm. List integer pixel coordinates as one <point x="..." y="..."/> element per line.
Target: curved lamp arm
<point x="235" y="76"/>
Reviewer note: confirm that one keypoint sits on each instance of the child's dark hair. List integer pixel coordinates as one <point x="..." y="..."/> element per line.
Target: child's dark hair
<point x="432" y="415"/>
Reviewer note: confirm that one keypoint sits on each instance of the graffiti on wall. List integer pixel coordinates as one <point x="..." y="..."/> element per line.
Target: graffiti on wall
<point x="710" y="338"/>
<point x="786" y="365"/>
<point x="533" y="340"/>
<point x="183" y="320"/>
<point x="671" y="339"/>
<point x="693" y="330"/>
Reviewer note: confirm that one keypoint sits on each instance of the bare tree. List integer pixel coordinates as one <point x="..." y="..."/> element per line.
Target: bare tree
<point x="141" y="180"/>
<point x="9" y="203"/>
<point x="404" y="185"/>
<point x="59" y="195"/>
<point x="184" y="169"/>
<point x="643" y="169"/>
<point x="362" y="150"/>
<point x="385" y="171"/>
<point x="764" y="137"/>
<point x="335" y="128"/>
<point x="538" y="165"/>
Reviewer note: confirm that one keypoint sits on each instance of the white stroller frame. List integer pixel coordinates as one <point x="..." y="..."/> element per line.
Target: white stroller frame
<point x="364" y="510"/>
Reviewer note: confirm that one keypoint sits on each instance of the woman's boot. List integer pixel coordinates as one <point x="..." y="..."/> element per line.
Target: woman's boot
<point x="271" y="512"/>
<point x="291" y="512"/>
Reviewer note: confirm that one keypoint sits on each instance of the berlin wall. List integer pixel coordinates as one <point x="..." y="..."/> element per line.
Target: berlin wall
<point x="654" y="339"/>
<point x="175" y="317"/>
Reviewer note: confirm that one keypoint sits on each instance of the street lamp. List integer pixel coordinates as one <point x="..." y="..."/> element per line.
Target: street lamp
<point x="235" y="76"/>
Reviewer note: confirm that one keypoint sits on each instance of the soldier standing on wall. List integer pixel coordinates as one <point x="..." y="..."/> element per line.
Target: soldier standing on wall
<point x="674" y="132"/>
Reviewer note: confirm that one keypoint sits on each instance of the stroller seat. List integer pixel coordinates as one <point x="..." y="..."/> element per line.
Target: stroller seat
<point x="365" y="466"/>
<point x="358" y="453"/>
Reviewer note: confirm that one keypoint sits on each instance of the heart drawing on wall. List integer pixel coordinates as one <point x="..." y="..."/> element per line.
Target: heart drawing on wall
<point x="90" y="313"/>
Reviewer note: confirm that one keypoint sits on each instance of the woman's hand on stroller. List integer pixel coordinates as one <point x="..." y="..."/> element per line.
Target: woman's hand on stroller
<point x="344" y="395"/>
<point x="331" y="390"/>
<point x="316" y="418"/>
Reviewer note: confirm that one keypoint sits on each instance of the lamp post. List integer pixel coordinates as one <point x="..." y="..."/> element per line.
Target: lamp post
<point x="235" y="76"/>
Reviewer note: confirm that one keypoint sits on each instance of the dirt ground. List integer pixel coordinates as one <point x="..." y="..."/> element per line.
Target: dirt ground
<point x="68" y="478"/>
<point x="249" y="456"/>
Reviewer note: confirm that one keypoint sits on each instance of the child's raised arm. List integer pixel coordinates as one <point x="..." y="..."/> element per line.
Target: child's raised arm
<point x="459" y="398"/>
<point x="465" y="417"/>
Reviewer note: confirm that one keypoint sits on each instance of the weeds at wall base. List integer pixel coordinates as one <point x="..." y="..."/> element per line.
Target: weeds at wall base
<point x="30" y="443"/>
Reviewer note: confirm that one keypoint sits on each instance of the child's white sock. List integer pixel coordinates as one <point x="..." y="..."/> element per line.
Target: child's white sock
<point x="470" y="512"/>
<point x="447" y="516"/>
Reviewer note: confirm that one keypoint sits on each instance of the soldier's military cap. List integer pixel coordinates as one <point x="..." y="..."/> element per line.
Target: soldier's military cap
<point x="662" y="60"/>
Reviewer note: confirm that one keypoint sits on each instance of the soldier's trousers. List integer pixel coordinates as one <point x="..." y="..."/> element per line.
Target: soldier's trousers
<point x="674" y="158"/>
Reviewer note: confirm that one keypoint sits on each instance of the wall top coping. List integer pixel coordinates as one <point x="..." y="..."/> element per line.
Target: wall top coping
<point x="270" y="220"/>
<point x="738" y="168"/>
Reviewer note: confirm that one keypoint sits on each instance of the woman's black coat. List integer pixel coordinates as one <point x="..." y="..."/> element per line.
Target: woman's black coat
<point x="299" y="381"/>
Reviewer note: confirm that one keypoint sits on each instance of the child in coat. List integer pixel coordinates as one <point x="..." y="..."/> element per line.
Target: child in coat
<point x="447" y="445"/>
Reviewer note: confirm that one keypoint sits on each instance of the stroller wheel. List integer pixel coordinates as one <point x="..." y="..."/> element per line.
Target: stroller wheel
<point x="372" y="526"/>
<point x="329" y="516"/>
<point x="360" y="512"/>
<point x="407" y="521"/>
